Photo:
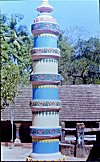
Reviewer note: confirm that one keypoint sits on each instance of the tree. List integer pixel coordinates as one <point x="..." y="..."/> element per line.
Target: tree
<point x="66" y="56"/>
<point x="87" y="61"/>
<point x="15" y="59"/>
<point x="80" y="63"/>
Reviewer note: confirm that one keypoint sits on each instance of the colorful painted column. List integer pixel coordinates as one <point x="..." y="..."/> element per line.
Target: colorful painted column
<point x="45" y="104"/>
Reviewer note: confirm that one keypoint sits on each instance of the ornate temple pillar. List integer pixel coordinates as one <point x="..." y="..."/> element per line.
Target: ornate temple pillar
<point x="45" y="104"/>
<point x="17" y="140"/>
<point x="80" y="151"/>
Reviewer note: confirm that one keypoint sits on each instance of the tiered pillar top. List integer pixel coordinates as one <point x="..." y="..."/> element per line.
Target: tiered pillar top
<point x="45" y="7"/>
<point x="45" y="23"/>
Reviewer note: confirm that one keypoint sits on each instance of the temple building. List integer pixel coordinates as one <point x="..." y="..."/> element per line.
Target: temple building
<point x="45" y="111"/>
<point x="79" y="104"/>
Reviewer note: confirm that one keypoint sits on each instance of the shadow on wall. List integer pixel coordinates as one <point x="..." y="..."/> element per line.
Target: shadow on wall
<point x="6" y="131"/>
<point x="94" y="155"/>
<point x="24" y="132"/>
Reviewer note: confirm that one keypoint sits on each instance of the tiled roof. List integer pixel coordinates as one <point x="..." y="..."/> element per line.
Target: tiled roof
<point x="21" y="111"/>
<point x="79" y="103"/>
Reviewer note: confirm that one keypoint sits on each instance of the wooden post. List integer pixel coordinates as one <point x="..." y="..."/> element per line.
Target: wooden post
<point x="98" y="124"/>
<point x="63" y="132"/>
<point x="80" y="134"/>
<point x="80" y="151"/>
<point x="98" y="134"/>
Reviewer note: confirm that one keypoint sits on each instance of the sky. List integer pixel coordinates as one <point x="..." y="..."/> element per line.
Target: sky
<point x="75" y="17"/>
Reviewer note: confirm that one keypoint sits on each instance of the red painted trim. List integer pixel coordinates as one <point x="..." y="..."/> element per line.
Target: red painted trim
<point x="45" y="109"/>
<point x="42" y="31"/>
<point x="35" y="56"/>
<point x="46" y="137"/>
<point x="44" y="82"/>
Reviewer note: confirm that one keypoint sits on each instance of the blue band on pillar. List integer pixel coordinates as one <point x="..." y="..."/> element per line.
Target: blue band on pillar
<point x="45" y="93"/>
<point x="45" y="147"/>
<point x="45" y="42"/>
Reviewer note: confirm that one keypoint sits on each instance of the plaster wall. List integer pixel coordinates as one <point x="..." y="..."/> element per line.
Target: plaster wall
<point x="46" y="120"/>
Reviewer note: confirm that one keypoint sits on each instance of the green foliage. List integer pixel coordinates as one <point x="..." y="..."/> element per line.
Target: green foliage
<point x="66" y="55"/>
<point x="80" y="64"/>
<point x="15" y="58"/>
<point x="9" y="82"/>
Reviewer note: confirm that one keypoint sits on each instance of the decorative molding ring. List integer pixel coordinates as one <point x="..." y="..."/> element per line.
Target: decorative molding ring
<point x="43" y="19"/>
<point x="45" y="103"/>
<point x="47" y="113"/>
<point x="45" y="77"/>
<point x="45" y="137"/>
<point x="45" y="82"/>
<point x="45" y="140"/>
<point x="45" y="131"/>
<point x="45" y="27"/>
<point x="41" y="56"/>
<point x="46" y="60"/>
<point x="46" y="8"/>
<point x="45" y="50"/>
<point x="34" y="109"/>
<point x="44" y="86"/>
<point x="46" y="35"/>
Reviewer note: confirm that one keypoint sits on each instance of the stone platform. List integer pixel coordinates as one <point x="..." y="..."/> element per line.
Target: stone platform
<point x="19" y="153"/>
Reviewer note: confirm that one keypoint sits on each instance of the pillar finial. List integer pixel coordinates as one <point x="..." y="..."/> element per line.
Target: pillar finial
<point x="44" y="1"/>
<point x="45" y="6"/>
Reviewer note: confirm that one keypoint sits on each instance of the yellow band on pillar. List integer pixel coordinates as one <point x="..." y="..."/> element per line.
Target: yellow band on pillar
<point x="45" y="141"/>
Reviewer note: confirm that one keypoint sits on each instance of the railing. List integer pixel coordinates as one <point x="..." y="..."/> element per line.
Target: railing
<point x="79" y="139"/>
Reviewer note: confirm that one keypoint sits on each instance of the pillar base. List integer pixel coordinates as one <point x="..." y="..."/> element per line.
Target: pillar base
<point x="17" y="142"/>
<point x="46" y="157"/>
<point x="80" y="152"/>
